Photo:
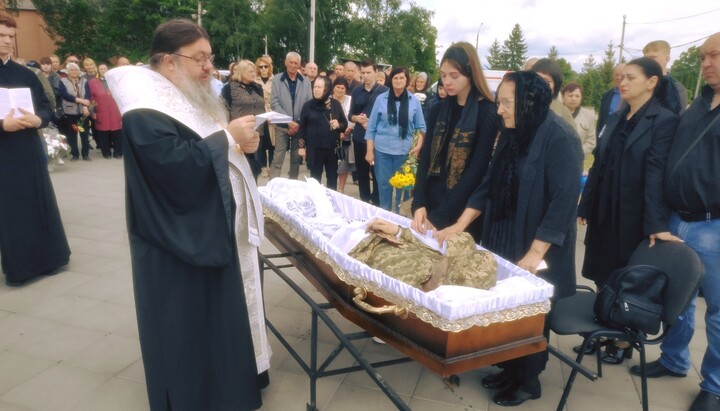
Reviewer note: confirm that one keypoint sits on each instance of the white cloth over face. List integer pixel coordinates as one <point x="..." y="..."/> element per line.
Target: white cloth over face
<point x="134" y="88"/>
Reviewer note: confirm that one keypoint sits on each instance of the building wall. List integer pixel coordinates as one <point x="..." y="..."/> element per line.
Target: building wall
<point x="31" y="41"/>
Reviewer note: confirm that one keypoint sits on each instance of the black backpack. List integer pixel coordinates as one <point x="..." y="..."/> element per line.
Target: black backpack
<point x="632" y="297"/>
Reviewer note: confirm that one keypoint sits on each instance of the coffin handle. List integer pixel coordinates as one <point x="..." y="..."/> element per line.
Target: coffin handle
<point x="361" y="295"/>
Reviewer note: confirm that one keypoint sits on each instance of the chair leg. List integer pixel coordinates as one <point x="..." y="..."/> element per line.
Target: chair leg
<point x="598" y="357"/>
<point x="573" y="374"/>
<point x="643" y="376"/>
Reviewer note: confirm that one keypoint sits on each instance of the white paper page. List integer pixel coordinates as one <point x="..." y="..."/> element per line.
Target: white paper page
<point x="275" y="117"/>
<point x="16" y="98"/>
<point x="5" y="103"/>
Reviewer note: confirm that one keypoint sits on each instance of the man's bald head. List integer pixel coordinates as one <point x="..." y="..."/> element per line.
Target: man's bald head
<point x="710" y="61"/>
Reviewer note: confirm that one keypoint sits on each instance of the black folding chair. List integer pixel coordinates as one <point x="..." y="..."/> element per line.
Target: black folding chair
<point x="575" y="315"/>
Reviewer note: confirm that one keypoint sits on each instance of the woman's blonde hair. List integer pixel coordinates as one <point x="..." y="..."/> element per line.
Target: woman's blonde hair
<point x="240" y="67"/>
<point x="263" y="60"/>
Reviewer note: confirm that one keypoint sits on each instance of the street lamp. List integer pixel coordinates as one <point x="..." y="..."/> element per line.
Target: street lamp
<point x="477" y="37"/>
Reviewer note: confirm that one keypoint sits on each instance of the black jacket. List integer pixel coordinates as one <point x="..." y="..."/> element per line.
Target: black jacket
<point x="314" y="123"/>
<point x="643" y="210"/>
<point x="547" y="200"/>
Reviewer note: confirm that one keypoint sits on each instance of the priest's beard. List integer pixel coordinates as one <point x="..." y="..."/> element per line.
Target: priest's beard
<point x="202" y="97"/>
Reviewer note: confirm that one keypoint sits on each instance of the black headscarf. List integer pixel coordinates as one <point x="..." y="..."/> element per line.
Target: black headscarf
<point x="532" y="103"/>
<point x="323" y="102"/>
<point x="392" y="111"/>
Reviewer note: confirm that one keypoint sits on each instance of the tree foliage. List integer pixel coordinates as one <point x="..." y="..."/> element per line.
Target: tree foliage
<point x="495" y="58"/>
<point x="553" y="53"/>
<point x="343" y="28"/>
<point x="686" y="69"/>
<point x="514" y="49"/>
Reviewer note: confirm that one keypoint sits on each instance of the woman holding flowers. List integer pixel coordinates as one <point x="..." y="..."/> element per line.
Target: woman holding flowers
<point x="75" y="93"/>
<point x="395" y="117"/>
<point x="461" y="133"/>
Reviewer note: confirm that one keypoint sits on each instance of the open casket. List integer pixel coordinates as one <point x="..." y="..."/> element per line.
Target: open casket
<point x="449" y="330"/>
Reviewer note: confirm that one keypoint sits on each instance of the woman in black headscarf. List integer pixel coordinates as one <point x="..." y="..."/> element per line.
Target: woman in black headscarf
<point x="461" y="132"/>
<point x="528" y="200"/>
<point x="322" y="120"/>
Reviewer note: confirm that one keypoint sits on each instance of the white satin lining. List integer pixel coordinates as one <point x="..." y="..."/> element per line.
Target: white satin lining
<point x="313" y="220"/>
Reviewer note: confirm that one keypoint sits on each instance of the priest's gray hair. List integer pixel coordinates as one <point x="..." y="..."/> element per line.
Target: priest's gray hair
<point x="172" y="35"/>
<point x="293" y="54"/>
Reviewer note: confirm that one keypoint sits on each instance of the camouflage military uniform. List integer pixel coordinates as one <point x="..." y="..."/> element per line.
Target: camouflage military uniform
<point x="409" y="260"/>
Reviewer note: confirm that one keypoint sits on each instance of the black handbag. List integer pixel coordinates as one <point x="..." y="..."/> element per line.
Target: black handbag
<point x="632" y="297"/>
<point x="340" y="151"/>
<point x="59" y="114"/>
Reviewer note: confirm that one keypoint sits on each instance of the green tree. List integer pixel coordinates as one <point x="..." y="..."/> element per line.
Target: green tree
<point x="553" y="53"/>
<point x="233" y="41"/>
<point x="496" y="58"/>
<point x="591" y="81"/>
<point x="686" y="69"/>
<point x="607" y="67"/>
<point x="568" y="73"/>
<point x="514" y="49"/>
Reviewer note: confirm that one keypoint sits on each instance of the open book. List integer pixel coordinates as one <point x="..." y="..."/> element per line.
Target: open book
<point x="15" y="98"/>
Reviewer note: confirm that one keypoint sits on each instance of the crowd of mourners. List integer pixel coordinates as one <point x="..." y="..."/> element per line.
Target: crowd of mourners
<point x="504" y="165"/>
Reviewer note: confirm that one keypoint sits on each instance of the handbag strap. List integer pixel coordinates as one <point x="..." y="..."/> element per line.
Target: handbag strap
<point x="694" y="143"/>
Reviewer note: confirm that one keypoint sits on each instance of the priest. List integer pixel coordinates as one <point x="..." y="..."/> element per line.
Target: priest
<point x="32" y="237"/>
<point x="194" y="223"/>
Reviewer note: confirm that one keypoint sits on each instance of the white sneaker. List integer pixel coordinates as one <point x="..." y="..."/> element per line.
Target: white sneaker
<point x="60" y="161"/>
<point x="378" y="341"/>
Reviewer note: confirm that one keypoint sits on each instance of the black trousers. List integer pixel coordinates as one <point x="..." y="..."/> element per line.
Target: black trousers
<point x="266" y="151"/>
<point x="324" y="158"/>
<point x="107" y="139"/>
<point x="364" y="171"/>
<point x="67" y="130"/>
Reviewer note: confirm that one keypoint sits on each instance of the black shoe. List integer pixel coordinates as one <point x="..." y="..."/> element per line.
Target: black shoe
<point x="514" y="396"/>
<point x="14" y="283"/>
<point x="706" y="401"/>
<point x="107" y="157"/>
<point x="118" y="157"/>
<point x="594" y="346"/>
<point x="498" y="381"/>
<point x="654" y="369"/>
<point x="615" y="355"/>
<point x="74" y="159"/>
<point x="86" y="158"/>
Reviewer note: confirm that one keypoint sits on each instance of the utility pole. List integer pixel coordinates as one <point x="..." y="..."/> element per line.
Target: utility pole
<point x="622" y="40"/>
<point x="312" y="31"/>
<point x="199" y="14"/>
<point x="265" y="38"/>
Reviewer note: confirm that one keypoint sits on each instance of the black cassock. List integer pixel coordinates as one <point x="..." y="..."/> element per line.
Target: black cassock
<point x="32" y="237"/>
<point x="192" y="316"/>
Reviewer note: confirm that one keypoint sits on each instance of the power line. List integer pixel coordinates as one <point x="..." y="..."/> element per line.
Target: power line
<point x="679" y="18"/>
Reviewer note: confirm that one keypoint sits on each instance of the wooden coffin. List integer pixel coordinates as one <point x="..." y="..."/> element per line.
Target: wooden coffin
<point x="444" y="352"/>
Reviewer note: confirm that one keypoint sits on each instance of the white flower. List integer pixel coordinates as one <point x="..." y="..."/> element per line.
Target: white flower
<point x="421" y="97"/>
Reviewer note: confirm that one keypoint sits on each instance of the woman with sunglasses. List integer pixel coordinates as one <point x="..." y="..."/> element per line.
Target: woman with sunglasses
<point x="266" y="150"/>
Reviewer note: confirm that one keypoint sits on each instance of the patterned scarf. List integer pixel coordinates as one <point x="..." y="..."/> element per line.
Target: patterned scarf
<point x="461" y="143"/>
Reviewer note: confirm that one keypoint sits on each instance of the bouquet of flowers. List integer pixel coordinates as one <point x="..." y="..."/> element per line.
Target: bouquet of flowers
<point x="79" y="126"/>
<point x="404" y="178"/>
<point x="57" y="147"/>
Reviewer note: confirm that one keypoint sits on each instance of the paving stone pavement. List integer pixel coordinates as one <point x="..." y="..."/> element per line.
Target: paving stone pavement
<point x="70" y="342"/>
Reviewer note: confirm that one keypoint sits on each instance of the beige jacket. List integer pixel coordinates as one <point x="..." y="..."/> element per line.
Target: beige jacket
<point x="585" y="122"/>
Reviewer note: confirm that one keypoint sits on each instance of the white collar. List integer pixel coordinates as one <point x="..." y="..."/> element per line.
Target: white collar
<point x="135" y="87"/>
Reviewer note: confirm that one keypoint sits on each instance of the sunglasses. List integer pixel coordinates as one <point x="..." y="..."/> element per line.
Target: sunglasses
<point x="263" y="67"/>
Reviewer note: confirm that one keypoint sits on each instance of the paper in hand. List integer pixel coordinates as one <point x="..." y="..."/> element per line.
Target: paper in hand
<point x="272" y="116"/>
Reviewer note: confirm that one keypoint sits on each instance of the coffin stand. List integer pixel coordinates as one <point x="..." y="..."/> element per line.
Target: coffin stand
<point x="444" y="352"/>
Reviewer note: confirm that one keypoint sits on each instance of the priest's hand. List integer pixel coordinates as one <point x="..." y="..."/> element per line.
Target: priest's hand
<point x="243" y="132"/>
<point x="27" y="120"/>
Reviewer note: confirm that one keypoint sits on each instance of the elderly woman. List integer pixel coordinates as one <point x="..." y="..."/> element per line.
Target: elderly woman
<point x="75" y="95"/>
<point x="395" y="117"/>
<point x="623" y="202"/>
<point x="585" y="118"/>
<point x="346" y="165"/>
<point x="528" y="200"/>
<point x="243" y="97"/>
<point x="421" y="89"/>
<point x="264" y="77"/>
<point x="460" y="139"/>
<point x="322" y="121"/>
<point x="106" y="116"/>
